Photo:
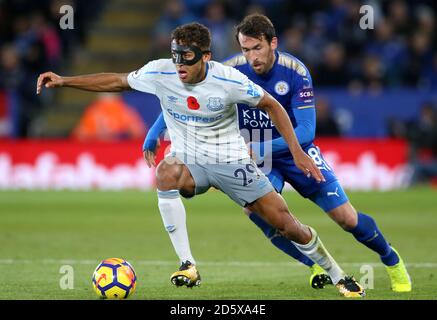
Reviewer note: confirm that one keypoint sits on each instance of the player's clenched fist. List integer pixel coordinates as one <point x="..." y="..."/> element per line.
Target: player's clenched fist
<point x="49" y="80"/>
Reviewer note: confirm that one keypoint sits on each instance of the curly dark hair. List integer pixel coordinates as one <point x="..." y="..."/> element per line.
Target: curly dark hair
<point x="256" y="26"/>
<point x="193" y="34"/>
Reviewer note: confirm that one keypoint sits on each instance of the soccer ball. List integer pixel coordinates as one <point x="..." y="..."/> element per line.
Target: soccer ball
<point x="114" y="278"/>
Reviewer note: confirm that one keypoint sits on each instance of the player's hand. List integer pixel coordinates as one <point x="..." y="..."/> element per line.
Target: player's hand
<point x="305" y="163"/>
<point x="49" y="80"/>
<point x="150" y="155"/>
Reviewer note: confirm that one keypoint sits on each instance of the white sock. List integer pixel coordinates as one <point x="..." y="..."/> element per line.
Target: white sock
<point x="317" y="252"/>
<point x="174" y="217"/>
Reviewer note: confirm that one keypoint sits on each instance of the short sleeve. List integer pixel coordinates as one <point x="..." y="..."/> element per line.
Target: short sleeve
<point x="303" y="93"/>
<point x="245" y="91"/>
<point x="142" y="79"/>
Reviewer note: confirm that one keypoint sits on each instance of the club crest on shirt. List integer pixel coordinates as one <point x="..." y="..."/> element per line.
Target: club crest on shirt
<point x="215" y="104"/>
<point x="281" y="88"/>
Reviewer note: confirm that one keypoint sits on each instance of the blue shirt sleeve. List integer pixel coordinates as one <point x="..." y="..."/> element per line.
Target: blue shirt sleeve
<point x="305" y="129"/>
<point x="155" y="131"/>
<point x="306" y="124"/>
<point x="303" y="106"/>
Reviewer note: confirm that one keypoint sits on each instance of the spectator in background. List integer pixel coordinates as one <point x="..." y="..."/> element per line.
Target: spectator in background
<point x="350" y="33"/>
<point x="275" y="9"/>
<point x="49" y="38"/>
<point x="419" y="59"/>
<point x="335" y="18"/>
<point x="292" y="41"/>
<point x="109" y="118"/>
<point x="398" y="15"/>
<point x="30" y="42"/>
<point x="422" y="135"/>
<point x="175" y="14"/>
<point x="222" y="45"/>
<point x="426" y="20"/>
<point x="373" y="73"/>
<point x="430" y="74"/>
<point x="315" y="40"/>
<point x="196" y="7"/>
<point x="17" y="76"/>
<point x="333" y="70"/>
<point x="326" y="125"/>
<point x="251" y="9"/>
<point x="390" y="50"/>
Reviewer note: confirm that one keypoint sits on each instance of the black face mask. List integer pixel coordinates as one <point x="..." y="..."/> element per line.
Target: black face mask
<point x="178" y="52"/>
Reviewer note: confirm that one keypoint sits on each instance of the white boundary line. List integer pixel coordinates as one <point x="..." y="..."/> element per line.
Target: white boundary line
<point x="205" y="263"/>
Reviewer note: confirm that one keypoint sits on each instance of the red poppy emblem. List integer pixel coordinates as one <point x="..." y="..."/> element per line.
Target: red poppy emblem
<point x="192" y="103"/>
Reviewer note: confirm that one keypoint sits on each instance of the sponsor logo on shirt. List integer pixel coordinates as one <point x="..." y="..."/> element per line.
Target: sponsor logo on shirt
<point x="191" y="118"/>
<point x="172" y="99"/>
<point x="252" y="90"/>
<point x="255" y="118"/>
<point x="306" y="95"/>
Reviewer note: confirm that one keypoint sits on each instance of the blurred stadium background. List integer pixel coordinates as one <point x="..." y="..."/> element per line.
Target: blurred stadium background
<point x="376" y="94"/>
<point x="378" y="86"/>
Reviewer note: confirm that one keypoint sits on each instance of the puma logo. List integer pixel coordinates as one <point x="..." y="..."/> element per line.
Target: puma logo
<point x="374" y="236"/>
<point x="335" y="193"/>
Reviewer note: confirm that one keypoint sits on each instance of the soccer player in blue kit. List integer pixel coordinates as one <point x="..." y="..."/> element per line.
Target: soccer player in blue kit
<point x="289" y="81"/>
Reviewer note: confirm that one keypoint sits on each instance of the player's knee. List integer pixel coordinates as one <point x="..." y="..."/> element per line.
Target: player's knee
<point x="167" y="176"/>
<point x="346" y="224"/>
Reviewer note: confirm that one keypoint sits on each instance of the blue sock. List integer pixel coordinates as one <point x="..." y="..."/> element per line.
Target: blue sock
<point x="367" y="233"/>
<point x="279" y="241"/>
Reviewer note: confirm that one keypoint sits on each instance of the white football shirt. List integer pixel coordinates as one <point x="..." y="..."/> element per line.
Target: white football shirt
<point x="201" y="118"/>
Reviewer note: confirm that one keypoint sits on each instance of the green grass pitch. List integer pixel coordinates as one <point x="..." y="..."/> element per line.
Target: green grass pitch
<point x="42" y="231"/>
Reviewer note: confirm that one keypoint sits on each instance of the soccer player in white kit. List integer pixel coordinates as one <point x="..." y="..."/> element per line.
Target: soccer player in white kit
<point x="198" y="98"/>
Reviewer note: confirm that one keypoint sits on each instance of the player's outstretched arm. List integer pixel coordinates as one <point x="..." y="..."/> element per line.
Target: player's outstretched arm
<point x="282" y="122"/>
<point x="101" y="82"/>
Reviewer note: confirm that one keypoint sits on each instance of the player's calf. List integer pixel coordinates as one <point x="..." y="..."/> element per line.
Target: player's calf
<point x="274" y="211"/>
<point x="345" y="216"/>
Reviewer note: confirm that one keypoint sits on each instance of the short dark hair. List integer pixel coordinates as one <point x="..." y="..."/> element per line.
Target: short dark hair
<point x="193" y="34"/>
<point x="256" y="26"/>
